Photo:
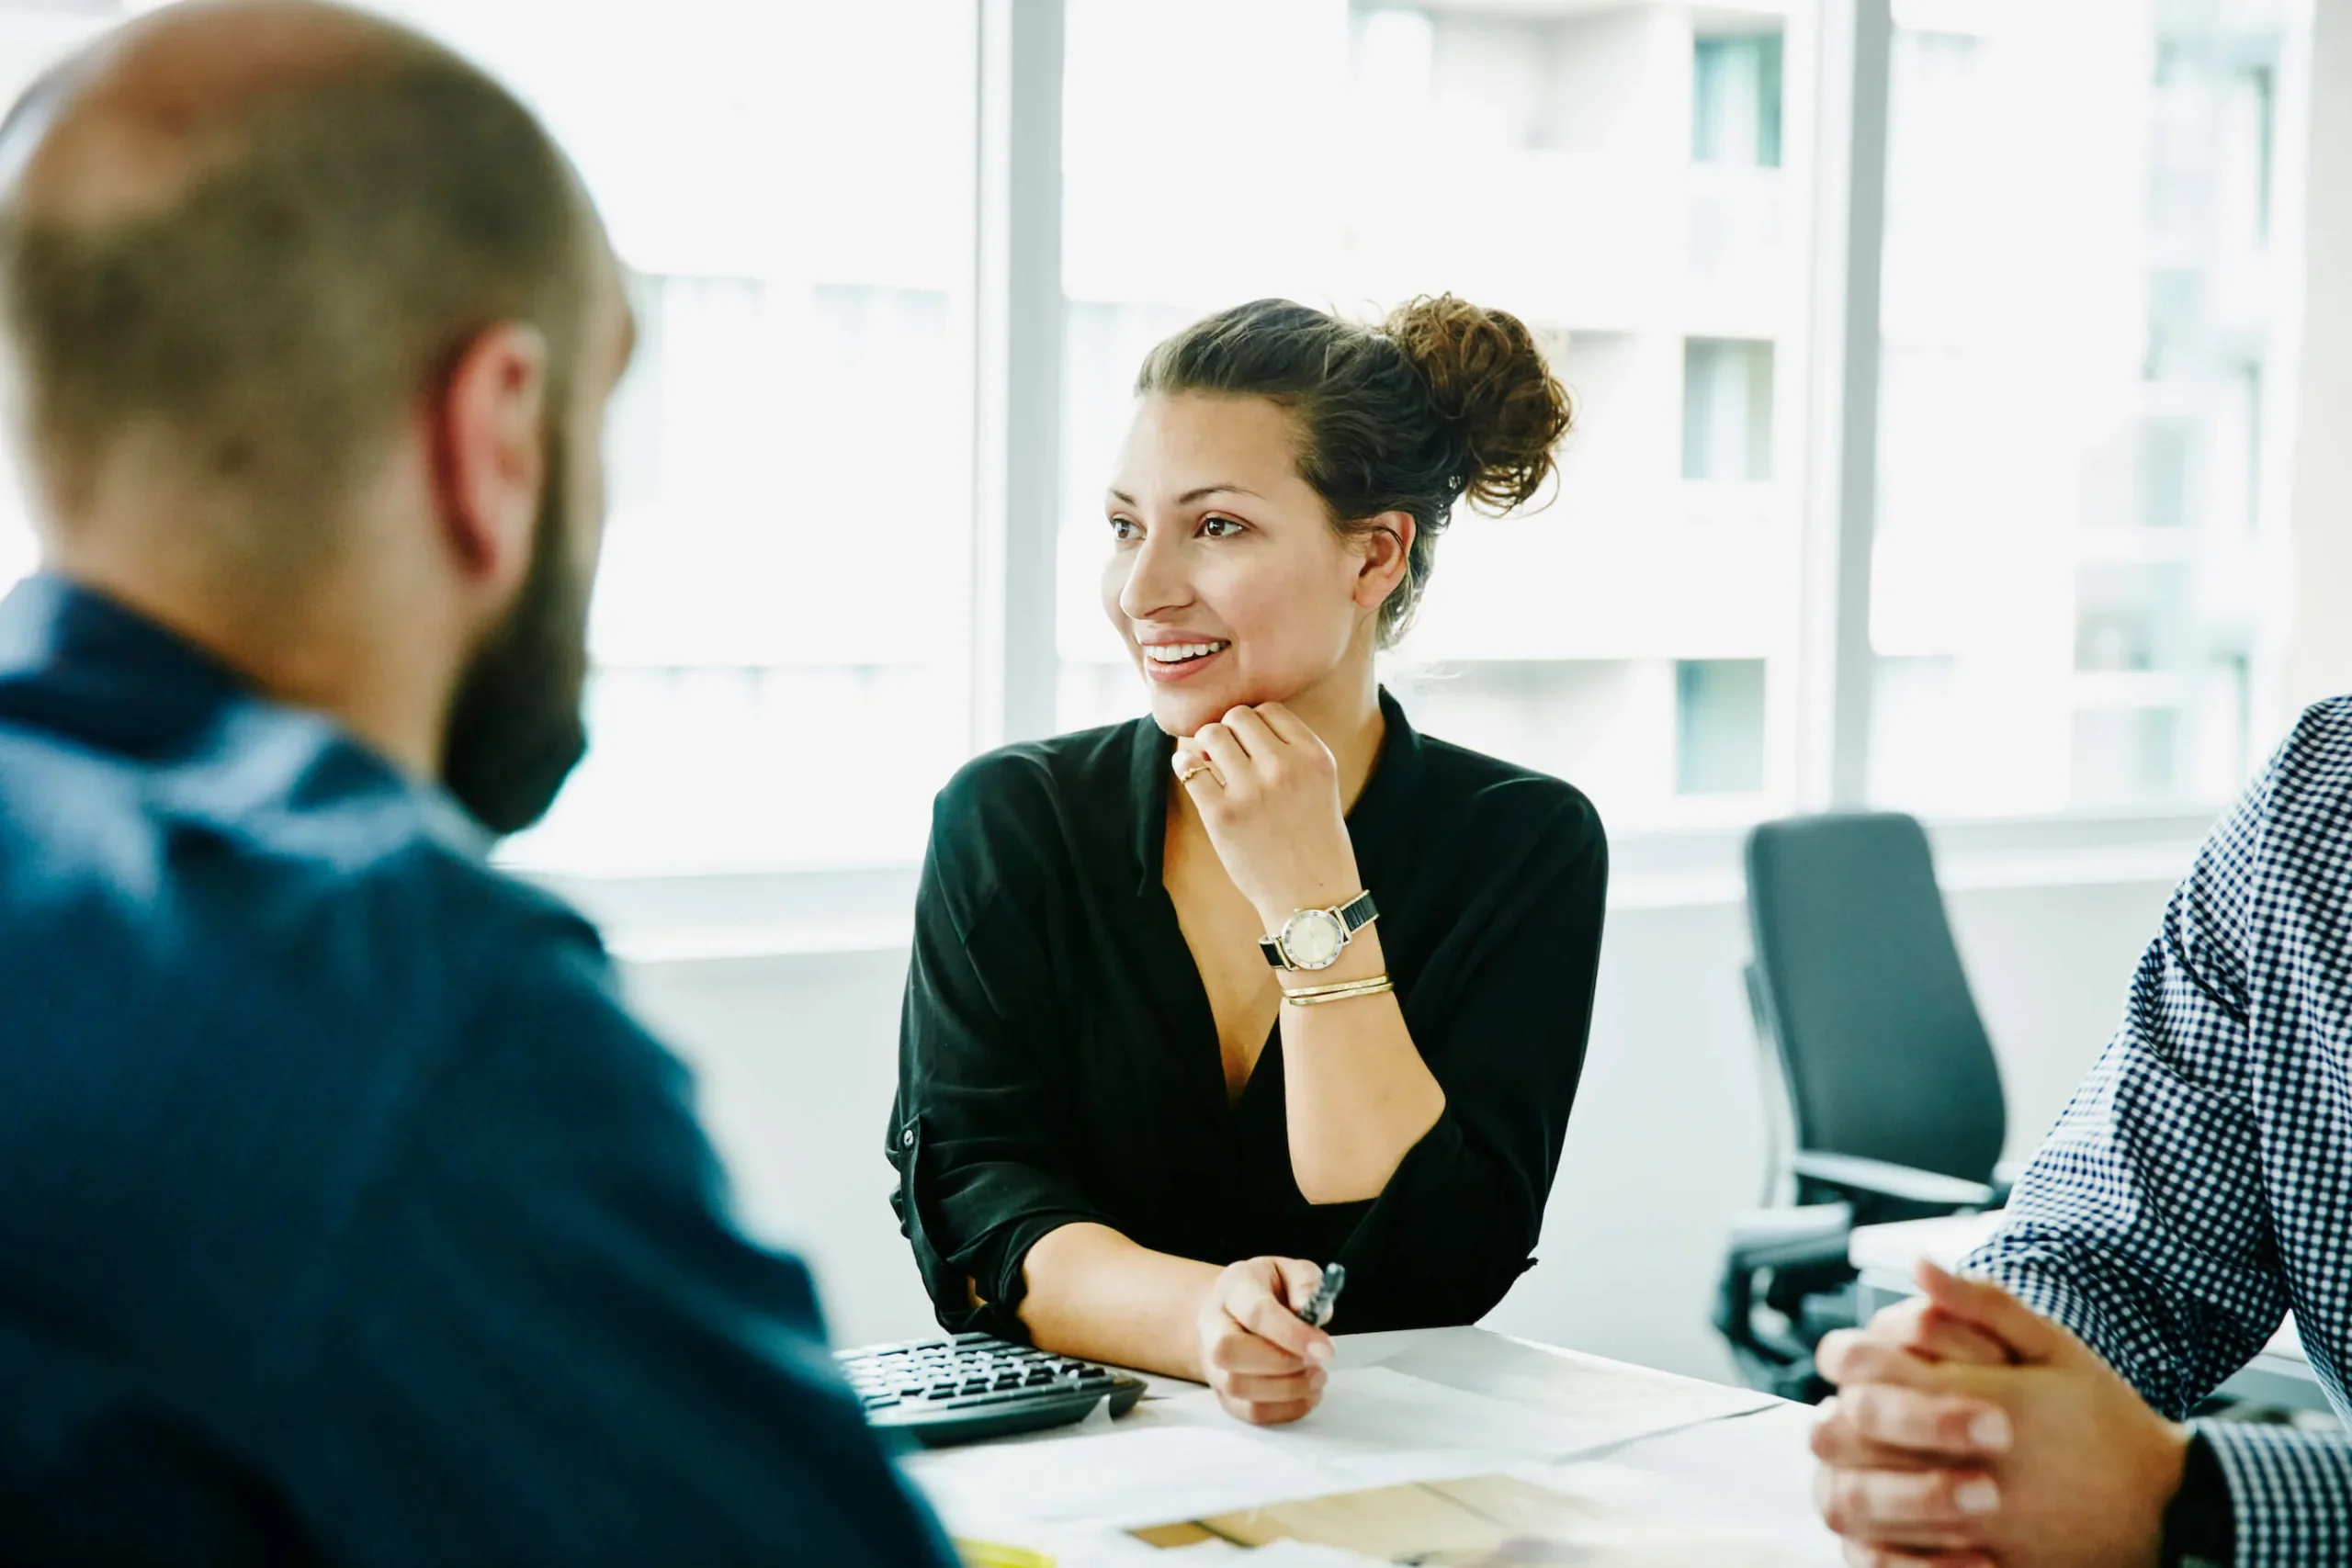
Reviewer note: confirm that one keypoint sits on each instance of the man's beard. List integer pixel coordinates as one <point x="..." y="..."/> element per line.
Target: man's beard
<point x="516" y="730"/>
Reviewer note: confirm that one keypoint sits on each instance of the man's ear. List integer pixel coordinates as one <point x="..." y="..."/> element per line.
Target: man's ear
<point x="489" y="452"/>
<point x="1387" y="552"/>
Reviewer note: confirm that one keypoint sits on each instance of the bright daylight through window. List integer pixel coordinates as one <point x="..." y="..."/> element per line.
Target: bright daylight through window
<point x="2083" y="449"/>
<point x="780" y="628"/>
<point x="781" y="625"/>
<point x="2085" y="407"/>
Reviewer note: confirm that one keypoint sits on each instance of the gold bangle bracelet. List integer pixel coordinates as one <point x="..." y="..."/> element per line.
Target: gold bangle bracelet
<point x="1337" y="986"/>
<point x="1316" y="996"/>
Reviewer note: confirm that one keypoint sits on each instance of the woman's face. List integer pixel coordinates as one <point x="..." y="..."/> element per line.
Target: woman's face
<point x="1226" y="578"/>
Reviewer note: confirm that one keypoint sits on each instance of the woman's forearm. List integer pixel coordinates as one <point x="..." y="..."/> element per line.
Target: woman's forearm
<point x="1268" y="792"/>
<point x="1093" y="1293"/>
<point x="1357" y="1094"/>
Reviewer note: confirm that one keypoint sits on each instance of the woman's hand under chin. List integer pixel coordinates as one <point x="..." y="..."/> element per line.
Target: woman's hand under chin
<point x="1268" y="791"/>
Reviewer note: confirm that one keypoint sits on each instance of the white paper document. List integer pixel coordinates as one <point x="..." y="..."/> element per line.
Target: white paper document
<point x="1417" y="1407"/>
<point x="1369" y="1413"/>
<point x="1603" y="1402"/>
<point x="1142" y="1470"/>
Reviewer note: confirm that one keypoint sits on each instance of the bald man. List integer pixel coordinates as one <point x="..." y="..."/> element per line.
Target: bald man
<point x="345" y="1214"/>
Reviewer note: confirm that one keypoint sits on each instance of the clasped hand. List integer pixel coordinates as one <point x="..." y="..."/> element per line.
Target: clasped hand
<point x="1969" y="1431"/>
<point x="1268" y="791"/>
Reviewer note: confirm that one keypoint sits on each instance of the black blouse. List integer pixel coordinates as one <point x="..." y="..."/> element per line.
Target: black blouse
<point x="1059" y="1061"/>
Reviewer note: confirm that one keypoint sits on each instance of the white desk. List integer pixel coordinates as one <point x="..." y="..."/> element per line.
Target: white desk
<point x="2279" y="1375"/>
<point x="1727" y="1467"/>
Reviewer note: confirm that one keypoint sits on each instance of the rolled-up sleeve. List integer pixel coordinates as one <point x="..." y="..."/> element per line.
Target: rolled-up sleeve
<point x="1458" y="1219"/>
<point x="2142" y="1224"/>
<point x="975" y="1134"/>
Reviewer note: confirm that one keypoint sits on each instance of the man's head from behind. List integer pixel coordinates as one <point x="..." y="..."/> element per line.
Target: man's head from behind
<point x="312" y="328"/>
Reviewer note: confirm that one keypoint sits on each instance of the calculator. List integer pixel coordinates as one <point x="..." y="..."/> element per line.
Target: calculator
<point x="960" y="1390"/>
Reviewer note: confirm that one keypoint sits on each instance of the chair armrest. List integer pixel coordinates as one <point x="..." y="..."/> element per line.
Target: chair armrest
<point x="1781" y="1239"/>
<point x="1906" y="1183"/>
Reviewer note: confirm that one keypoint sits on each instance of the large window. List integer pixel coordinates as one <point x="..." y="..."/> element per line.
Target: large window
<point x="781" y="627"/>
<point x="1615" y="176"/>
<point x="815" y="558"/>
<point x="2077" y="492"/>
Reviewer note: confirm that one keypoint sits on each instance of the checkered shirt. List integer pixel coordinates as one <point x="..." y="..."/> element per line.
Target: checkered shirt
<point x="2200" y="1183"/>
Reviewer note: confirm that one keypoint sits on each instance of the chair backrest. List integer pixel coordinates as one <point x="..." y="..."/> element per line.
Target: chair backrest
<point x="1878" y="1039"/>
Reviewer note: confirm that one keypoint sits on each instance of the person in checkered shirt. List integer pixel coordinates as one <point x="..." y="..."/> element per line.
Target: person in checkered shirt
<point x="2198" y="1185"/>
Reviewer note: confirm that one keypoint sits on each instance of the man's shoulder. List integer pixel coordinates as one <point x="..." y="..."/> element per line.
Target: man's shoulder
<point x="2314" y="762"/>
<point x="2295" y="820"/>
<point x="278" y="869"/>
<point x="233" y="980"/>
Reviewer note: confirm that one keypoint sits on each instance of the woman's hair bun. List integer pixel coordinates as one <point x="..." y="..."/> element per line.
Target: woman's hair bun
<point x="1441" y="403"/>
<point x="1491" y="383"/>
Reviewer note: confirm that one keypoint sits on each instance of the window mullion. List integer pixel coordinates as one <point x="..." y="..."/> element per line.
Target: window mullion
<point x="1856" y="43"/>
<point x="1018" y="330"/>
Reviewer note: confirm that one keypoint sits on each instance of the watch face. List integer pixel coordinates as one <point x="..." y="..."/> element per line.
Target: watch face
<point x="1312" y="939"/>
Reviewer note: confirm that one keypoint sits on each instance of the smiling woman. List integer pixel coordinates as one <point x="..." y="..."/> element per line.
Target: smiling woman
<point x="1158" y="1062"/>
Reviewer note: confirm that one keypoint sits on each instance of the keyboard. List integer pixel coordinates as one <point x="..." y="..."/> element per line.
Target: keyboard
<point x="940" y="1391"/>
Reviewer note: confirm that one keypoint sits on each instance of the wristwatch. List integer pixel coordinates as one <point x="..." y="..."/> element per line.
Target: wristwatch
<point x="2201" y="1526"/>
<point x="1314" y="938"/>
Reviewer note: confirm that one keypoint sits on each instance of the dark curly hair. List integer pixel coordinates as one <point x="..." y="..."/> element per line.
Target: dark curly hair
<point x="1441" y="401"/>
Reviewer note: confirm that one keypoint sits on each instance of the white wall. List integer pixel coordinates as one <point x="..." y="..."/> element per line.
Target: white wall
<point x="796" y="1057"/>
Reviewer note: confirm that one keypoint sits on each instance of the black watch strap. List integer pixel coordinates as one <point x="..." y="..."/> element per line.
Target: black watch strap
<point x="1354" y="915"/>
<point x="2201" y="1529"/>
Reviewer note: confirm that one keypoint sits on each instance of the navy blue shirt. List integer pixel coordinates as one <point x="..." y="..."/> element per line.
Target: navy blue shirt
<point x="345" y="1215"/>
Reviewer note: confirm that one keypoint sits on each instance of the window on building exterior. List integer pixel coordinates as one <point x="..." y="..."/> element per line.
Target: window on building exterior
<point x="1726" y="411"/>
<point x="1735" y="99"/>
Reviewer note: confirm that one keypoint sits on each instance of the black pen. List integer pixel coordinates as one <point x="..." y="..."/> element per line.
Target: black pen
<point x="1318" y="1307"/>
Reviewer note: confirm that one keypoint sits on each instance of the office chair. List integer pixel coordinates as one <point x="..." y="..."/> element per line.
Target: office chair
<point x="1894" y="1108"/>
